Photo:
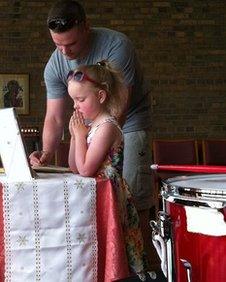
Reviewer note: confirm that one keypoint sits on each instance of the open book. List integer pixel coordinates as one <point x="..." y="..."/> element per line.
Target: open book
<point x="51" y="168"/>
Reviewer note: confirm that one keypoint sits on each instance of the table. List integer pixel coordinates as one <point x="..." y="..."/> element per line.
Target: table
<point x="111" y="260"/>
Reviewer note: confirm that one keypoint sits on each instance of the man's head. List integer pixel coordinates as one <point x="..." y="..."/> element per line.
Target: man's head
<point x="64" y="15"/>
<point x="68" y="28"/>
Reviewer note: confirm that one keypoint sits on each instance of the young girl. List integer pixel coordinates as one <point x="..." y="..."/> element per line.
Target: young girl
<point x="96" y="149"/>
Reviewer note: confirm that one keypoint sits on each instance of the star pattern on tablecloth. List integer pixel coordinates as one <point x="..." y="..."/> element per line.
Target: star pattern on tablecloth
<point x="19" y="186"/>
<point x="81" y="238"/>
<point x="79" y="184"/>
<point x="22" y="240"/>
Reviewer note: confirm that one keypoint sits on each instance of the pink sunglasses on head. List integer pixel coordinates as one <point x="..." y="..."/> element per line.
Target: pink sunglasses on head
<point x="81" y="76"/>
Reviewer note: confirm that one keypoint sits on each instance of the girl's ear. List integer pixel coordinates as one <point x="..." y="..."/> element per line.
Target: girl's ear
<point x="102" y="95"/>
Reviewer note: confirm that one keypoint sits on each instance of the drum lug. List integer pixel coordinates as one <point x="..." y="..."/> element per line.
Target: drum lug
<point x="188" y="269"/>
<point x="162" y="226"/>
<point x="161" y="239"/>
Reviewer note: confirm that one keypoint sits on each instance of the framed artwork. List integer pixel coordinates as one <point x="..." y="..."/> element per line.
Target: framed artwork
<point x="14" y="92"/>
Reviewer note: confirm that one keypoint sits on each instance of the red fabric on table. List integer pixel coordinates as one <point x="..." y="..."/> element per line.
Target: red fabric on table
<point x="112" y="259"/>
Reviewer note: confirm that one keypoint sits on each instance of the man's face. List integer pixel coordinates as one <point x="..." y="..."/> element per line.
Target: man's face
<point x="73" y="43"/>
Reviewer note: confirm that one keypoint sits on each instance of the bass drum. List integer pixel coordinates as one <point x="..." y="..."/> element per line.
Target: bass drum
<point x="190" y="234"/>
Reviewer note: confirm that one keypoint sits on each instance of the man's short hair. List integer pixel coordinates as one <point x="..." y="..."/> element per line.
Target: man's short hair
<point x="65" y="14"/>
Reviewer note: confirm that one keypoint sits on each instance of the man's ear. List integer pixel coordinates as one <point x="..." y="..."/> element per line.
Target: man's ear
<point x="102" y="95"/>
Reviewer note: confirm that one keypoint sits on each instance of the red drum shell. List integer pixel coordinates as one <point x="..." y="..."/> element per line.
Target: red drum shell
<point x="206" y="253"/>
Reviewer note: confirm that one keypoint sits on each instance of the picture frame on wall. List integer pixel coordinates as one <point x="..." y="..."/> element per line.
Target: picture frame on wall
<point x="14" y="92"/>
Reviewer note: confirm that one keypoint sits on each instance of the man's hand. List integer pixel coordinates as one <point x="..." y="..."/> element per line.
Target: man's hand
<point x="40" y="158"/>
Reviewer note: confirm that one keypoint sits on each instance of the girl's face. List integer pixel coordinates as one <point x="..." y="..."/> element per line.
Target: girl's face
<point x="86" y="98"/>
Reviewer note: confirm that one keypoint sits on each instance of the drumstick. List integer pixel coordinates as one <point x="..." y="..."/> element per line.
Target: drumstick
<point x="191" y="168"/>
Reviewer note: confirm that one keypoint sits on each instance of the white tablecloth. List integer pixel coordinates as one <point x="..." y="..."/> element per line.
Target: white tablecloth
<point x="50" y="229"/>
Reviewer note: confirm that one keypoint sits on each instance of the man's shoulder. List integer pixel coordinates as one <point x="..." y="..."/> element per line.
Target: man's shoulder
<point x="108" y="42"/>
<point x="101" y="32"/>
<point x="56" y="56"/>
<point x="57" y="62"/>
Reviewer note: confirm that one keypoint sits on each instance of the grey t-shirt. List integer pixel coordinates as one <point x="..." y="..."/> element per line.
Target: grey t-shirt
<point x="111" y="45"/>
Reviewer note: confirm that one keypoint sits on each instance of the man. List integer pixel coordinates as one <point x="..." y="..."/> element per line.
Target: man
<point x="77" y="43"/>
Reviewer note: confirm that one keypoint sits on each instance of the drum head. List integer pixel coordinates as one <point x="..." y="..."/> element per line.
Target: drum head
<point x="204" y="187"/>
<point x="209" y="181"/>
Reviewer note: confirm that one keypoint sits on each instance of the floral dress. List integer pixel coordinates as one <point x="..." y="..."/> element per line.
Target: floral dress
<point x="112" y="169"/>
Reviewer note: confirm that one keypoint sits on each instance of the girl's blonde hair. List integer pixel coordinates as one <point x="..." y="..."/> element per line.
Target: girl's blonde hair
<point x="110" y="79"/>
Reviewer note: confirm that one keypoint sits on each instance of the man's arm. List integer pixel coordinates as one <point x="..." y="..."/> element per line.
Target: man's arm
<point x="52" y="131"/>
<point x="53" y="124"/>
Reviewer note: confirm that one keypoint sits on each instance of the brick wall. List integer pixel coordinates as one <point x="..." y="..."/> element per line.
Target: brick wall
<point x="181" y="44"/>
<point x="187" y="64"/>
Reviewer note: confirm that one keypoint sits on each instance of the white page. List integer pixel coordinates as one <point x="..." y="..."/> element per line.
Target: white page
<point x="12" y="149"/>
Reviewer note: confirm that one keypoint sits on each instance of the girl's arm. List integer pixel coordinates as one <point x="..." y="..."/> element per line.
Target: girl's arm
<point x="89" y="159"/>
<point x="71" y="156"/>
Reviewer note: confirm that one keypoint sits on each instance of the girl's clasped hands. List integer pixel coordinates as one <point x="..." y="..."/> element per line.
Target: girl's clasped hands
<point x="77" y="126"/>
